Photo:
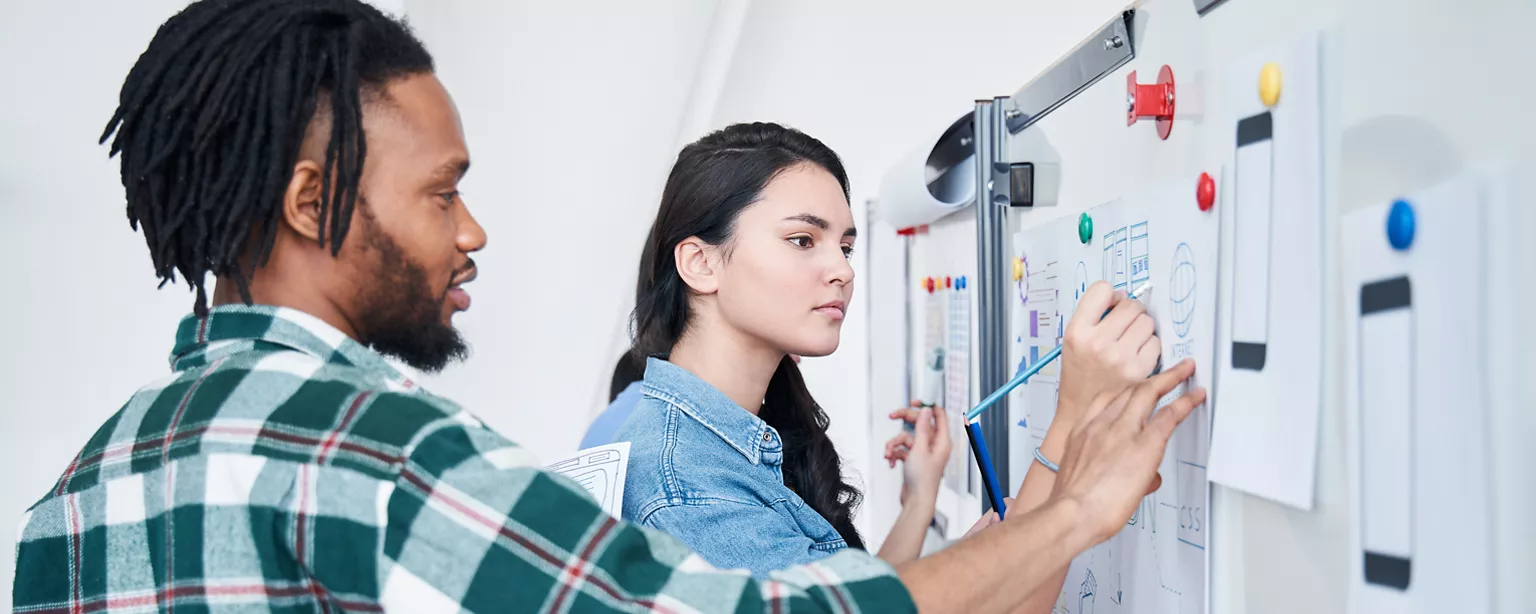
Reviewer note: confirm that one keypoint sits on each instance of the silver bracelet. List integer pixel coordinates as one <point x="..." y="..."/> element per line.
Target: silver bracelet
<point x="1048" y="464"/>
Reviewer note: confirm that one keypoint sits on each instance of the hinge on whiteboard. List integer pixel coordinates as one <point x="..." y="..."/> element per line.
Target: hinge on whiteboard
<point x="1032" y="184"/>
<point x="1029" y="171"/>
<point x="1108" y="49"/>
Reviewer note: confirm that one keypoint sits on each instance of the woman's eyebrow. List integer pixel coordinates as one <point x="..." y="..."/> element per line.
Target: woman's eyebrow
<point x="819" y="222"/>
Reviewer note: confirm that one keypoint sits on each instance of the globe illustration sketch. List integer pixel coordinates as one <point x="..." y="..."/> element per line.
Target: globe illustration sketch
<point x="1182" y="289"/>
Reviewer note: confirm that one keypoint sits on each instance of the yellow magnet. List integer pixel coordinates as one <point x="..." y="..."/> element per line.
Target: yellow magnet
<point x="1018" y="269"/>
<point x="1269" y="84"/>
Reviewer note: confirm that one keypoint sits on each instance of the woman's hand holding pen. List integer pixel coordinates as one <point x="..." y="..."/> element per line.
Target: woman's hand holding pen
<point x="1104" y="354"/>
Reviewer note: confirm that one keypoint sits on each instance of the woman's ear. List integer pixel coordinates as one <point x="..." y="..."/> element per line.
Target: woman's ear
<point x="696" y="264"/>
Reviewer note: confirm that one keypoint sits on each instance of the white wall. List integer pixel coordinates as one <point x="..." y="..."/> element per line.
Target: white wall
<point x="82" y="322"/>
<point x="870" y="78"/>
<point x="571" y="110"/>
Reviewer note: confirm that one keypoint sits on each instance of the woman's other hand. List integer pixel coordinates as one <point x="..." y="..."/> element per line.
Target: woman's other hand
<point x="923" y="452"/>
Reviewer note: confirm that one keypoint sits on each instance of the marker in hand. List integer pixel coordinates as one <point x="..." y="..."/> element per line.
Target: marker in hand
<point x="1024" y="375"/>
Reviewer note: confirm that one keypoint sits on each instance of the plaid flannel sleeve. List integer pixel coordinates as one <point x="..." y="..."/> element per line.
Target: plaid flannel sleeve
<point x="473" y="523"/>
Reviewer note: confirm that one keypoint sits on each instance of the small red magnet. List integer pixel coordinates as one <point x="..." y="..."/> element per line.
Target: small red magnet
<point x="1205" y="192"/>
<point x="1154" y="100"/>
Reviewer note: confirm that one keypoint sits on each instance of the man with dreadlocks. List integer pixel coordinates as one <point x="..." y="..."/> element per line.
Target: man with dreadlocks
<point x="303" y="154"/>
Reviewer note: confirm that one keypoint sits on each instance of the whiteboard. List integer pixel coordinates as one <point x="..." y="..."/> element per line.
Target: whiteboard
<point x="1413" y="93"/>
<point x="1156" y="563"/>
<point x="946" y="249"/>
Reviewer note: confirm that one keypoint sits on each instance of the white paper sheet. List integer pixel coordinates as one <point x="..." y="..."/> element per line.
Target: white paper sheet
<point x="1045" y="296"/>
<point x="933" y="350"/>
<point x="601" y="470"/>
<point x="957" y="390"/>
<point x="946" y="343"/>
<point x="1269" y="346"/>
<point x="1417" y="406"/>
<point x="1157" y="563"/>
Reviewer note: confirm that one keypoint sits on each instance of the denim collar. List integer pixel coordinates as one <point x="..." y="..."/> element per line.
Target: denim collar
<point x="747" y="433"/>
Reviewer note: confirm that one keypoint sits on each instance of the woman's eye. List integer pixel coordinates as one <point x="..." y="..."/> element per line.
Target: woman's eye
<point x="847" y="251"/>
<point x="449" y="197"/>
<point x="800" y="241"/>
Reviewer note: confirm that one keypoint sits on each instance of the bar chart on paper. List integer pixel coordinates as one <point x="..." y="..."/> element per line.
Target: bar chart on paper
<point x="1039" y="328"/>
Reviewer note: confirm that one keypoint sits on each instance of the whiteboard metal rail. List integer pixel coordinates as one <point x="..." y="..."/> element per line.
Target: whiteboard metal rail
<point x="991" y="287"/>
<point x="1109" y="48"/>
<point x="1101" y="54"/>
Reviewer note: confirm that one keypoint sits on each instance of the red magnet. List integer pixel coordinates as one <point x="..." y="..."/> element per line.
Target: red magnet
<point x="1155" y="100"/>
<point x="948" y="282"/>
<point x="1205" y="192"/>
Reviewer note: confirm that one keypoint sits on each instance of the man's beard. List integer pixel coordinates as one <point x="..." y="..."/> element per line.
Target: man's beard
<point x="400" y="315"/>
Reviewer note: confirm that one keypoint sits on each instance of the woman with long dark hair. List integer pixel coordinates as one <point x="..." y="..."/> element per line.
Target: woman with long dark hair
<point x="745" y="265"/>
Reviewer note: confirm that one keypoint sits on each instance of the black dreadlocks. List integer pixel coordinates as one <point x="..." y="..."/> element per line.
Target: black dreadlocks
<point x="210" y="120"/>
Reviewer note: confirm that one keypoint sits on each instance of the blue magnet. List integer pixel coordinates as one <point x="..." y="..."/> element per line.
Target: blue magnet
<point x="1400" y="225"/>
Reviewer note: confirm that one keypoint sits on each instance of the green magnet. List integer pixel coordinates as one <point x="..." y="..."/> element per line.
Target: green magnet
<point x="1084" y="228"/>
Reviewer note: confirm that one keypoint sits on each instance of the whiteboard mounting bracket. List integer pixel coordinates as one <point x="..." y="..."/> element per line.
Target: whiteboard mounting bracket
<point x="1108" y="49"/>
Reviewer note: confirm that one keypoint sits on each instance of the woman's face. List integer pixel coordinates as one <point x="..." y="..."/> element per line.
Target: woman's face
<point x="786" y="279"/>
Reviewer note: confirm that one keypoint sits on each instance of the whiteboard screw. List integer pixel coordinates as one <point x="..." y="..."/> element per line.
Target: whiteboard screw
<point x="1113" y="42"/>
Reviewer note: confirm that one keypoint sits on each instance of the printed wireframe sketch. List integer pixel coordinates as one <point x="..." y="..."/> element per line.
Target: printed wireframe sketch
<point x="600" y="470"/>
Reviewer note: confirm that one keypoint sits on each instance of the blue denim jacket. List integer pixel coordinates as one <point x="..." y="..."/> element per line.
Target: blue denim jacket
<point x="704" y="470"/>
<point x="607" y="424"/>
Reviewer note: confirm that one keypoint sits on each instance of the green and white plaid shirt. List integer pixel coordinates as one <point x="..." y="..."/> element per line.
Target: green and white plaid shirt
<point x="285" y="467"/>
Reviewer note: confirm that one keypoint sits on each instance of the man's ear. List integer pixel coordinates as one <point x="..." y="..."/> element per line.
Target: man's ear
<point x="697" y="265"/>
<point x="303" y="200"/>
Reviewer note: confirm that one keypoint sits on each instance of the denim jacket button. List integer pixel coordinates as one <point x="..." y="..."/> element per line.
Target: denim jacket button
<point x="767" y="436"/>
